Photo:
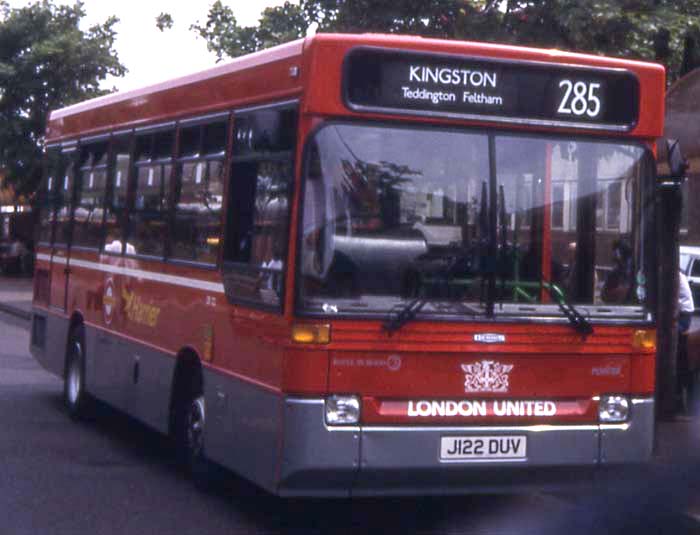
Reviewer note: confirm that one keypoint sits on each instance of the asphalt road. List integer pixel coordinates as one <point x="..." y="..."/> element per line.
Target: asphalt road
<point x="112" y="475"/>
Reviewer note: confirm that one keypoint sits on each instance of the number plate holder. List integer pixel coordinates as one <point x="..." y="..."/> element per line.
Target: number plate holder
<point x="476" y="448"/>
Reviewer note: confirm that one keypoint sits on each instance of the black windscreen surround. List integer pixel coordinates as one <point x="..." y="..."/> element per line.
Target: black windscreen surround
<point x="528" y="92"/>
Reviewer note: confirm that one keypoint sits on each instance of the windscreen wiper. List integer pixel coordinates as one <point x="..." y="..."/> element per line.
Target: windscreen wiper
<point x="403" y="316"/>
<point x="578" y="322"/>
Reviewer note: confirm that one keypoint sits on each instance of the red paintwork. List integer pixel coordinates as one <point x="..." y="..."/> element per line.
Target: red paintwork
<point x="237" y="83"/>
<point x="551" y="362"/>
<point x="328" y="52"/>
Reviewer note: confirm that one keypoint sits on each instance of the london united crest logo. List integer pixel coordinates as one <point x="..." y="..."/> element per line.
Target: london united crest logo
<point x="486" y="376"/>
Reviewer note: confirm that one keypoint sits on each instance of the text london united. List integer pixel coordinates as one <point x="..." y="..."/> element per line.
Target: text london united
<point x="469" y="408"/>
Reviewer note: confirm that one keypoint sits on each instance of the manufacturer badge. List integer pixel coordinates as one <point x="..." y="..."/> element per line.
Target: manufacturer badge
<point x="490" y="338"/>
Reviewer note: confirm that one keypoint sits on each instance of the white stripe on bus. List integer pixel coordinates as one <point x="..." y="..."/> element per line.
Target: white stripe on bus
<point x="139" y="273"/>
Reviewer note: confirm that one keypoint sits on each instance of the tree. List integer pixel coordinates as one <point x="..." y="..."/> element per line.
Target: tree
<point x="225" y="37"/>
<point x="642" y="29"/>
<point x="652" y="30"/>
<point x="46" y="62"/>
<point x="164" y="21"/>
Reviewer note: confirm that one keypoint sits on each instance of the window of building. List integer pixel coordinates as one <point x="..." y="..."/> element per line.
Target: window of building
<point x="612" y="209"/>
<point x="558" y="206"/>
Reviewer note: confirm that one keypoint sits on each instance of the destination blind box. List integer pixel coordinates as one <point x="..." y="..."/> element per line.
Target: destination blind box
<point x="490" y="89"/>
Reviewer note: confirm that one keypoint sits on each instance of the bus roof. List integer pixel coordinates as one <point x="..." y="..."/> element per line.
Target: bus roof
<point x="281" y="72"/>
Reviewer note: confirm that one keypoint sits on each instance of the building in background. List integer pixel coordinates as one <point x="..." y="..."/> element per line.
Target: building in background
<point x="16" y="230"/>
<point x="683" y="124"/>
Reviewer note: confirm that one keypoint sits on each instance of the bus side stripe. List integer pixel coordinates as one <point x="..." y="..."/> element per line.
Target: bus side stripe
<point x="142" y="274"/>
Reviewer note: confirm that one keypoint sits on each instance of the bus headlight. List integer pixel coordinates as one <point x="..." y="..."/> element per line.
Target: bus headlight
<point x="342" y="410"/>
<point x="613" y="408"/>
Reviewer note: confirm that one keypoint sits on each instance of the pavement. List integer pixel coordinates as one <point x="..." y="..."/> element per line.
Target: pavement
<point x="16" y="295"/>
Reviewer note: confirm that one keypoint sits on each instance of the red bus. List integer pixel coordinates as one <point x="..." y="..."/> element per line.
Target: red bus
<point x="370" y="264"/>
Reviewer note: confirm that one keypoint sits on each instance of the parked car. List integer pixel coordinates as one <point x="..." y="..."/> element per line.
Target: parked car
<point x="690" y="265"/>
<point x="15" y="257"/>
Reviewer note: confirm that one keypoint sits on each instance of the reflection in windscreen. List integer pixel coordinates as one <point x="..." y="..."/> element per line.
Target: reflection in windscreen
<point x="395" y="214"/>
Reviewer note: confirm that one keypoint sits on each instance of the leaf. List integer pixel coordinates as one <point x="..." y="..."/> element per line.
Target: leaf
<point x="46" y="62"/>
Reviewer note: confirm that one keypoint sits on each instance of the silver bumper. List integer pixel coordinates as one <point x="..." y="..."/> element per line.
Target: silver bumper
<point x="343" y="461"/>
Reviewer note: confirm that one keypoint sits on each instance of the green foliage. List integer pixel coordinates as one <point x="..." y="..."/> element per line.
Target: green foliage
<point x="46" y="62"/>
<point x="636" y="29"/>
<point x="164" y="21"/>
<point x="226" y="38"/>
<point x="643" y="29"/>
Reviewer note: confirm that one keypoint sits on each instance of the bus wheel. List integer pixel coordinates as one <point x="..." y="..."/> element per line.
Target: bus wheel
<point x="194" y="429"/>
<point x="75" y="397"/>
<point x="190" y="423"/>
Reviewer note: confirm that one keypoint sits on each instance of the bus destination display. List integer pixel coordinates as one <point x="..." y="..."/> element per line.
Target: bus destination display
<point x="429" y="84"/>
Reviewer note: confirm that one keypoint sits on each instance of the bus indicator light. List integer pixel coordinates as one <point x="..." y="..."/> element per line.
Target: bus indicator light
<point x="208" y="342"/>
<point x="311" y="333"/>
<point x="644" y="339"/>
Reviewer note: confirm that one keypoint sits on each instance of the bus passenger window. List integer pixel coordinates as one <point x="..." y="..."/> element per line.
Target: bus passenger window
<point x="64" y="198"/>
<point x="48" y="193"/>
<point x="87" y="231"/>
<point x="258" y="219"/>
<point x="117" y="196"/>
<point x="199" y="193"/>
<point x="262" y="224"/>
<point x="148" y="216"/>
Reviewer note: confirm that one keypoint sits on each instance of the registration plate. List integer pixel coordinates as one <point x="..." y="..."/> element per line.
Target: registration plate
<point x="483" y="447"/>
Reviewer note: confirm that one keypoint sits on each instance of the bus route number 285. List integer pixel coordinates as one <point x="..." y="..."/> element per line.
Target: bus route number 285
<point x="580" y="98"/>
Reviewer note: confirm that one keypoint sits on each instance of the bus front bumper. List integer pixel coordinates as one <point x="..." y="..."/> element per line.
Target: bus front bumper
<point x="320" y="460"/>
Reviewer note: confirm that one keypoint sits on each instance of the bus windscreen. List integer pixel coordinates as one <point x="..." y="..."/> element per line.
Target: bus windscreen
<point x="467" y="220"/>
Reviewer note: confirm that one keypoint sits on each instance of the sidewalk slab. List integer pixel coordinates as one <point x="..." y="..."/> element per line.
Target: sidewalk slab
<point x="16" y="296"/>
<point x="17" y="310"/>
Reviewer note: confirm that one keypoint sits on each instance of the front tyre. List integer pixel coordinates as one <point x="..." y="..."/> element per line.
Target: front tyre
<point x="190" y="425"/>
<point x="195" y="420"/>
<point x="75" y="397"/>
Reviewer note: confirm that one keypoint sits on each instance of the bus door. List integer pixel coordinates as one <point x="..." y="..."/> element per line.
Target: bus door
<point x="60" y="253"/>
<point x="59" y="278"/>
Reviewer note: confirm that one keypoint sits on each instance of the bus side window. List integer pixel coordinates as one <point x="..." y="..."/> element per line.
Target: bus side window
<point x="90" y="198"/>
<point x="199" y="193"/>
<point x="148" y="216"/>
<point x="260" y="194"/>
<point x="47" y="194"/>
<point x="117" y="189"/>
<point x="65" y="198"/>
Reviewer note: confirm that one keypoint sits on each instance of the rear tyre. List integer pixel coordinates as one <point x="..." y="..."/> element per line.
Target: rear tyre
<point x="190" y="424"/>
<point x="76" y="399"/>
